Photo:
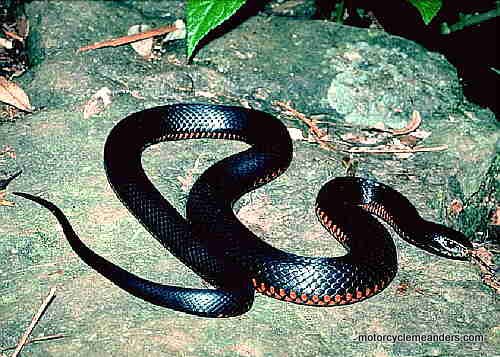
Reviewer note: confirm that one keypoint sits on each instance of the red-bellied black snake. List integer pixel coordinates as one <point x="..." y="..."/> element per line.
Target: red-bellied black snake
<point x="213" y="242"/>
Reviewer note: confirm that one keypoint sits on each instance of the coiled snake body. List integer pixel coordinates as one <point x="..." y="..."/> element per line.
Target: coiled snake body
<point x="214" y="244"/>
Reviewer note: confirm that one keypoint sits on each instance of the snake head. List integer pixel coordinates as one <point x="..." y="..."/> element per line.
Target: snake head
<point x="445" y="241"/>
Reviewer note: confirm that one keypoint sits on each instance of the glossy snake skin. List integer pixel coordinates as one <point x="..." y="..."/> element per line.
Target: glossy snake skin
<point x="214" y="244"/>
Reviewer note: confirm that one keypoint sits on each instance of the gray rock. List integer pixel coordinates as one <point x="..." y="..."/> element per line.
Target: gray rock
<point x="351" y="77"/>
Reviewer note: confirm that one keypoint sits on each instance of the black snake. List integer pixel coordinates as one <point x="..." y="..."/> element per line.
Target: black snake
<point x="214" y="244"/>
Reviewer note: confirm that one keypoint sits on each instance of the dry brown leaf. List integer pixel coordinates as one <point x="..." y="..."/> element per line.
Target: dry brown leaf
<point x="403" y="155"/>
<point x="187" y="181"/>
<point x="3" y="201"/>
<point x="295" y="134"/>
<point x="99" y="101"/>
<point x="8" y="151"/>
<point x="12" y="94"/>
<point x="456" y="206"/>
<point x="5" y="43"/>
<point x="408" y="140"/>
<point x="380" y="126"/>
<point x="143" y="47"/>
<point x="414" y="123"/>
<point x="420" y="134"/>
<point x="178" y="34"/>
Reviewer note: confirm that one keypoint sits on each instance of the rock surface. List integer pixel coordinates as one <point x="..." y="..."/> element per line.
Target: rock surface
<point x="345" y="77"/>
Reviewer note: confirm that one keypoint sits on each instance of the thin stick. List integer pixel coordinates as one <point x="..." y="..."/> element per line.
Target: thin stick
<point x="13" y="35"/>
<point x="469" y="20"/>
<point x="38" y="339"/>
<point x="318" y="134"/>
<point x="399" y="151"/>
<point x="34" y="321"/>
<point x="129" y="39"/>
<point x="317" y="131"/>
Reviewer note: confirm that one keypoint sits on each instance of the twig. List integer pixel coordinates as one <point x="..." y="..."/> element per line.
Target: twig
<point x="398" y="151"/>
<point x="317" y="131"/>
<point x="34" y="321"/>
<point x="129" y="39"/>
<point x="469" y="20"/>
<point x="13" y="35"/>
<point x="483" y="258"/>
<point x="38" y="339"/>
<point x="318" y="134"/>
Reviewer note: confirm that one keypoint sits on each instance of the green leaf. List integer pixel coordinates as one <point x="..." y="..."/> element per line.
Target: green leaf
<point x="427" y="8"/>
<point x="205" y="15"/>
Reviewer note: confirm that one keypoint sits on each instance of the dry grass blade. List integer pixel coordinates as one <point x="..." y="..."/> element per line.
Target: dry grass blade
<point x="12" y="94"/>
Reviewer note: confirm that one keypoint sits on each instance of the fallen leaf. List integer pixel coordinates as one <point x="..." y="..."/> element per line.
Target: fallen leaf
<point x="178" y="34"/>
<point x="187" y="181"/>
<point x="403" y="155"/>
<point x="128" y="39"/>
<point x="414" y="123"/>
<point x="295" y="134"/>
<point x="99" y="101"/>
<point x="6" y="43"/>
<point x="12" y="94"/>
<point x="206" y="94"/>
<point x="456" y="206"/>
<point x="3" y="201"/>
<point x="420" y="134"/>
<point x="286" y="6"/>
<point x="408" y="140"/>
<point x="143" y="47"/>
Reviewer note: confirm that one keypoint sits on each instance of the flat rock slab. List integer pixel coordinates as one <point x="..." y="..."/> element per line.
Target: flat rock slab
<point x="352" y="77"/>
